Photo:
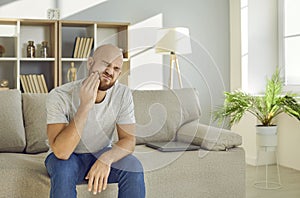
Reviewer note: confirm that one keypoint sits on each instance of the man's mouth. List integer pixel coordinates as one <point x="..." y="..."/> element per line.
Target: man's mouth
<point x="106" y="77"/>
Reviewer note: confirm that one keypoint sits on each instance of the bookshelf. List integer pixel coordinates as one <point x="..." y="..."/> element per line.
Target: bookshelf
<point x="14" y="36"/>
<point x="99" y="33"/>
<point x="9" y="64"/>
<point x="61" y="37"/>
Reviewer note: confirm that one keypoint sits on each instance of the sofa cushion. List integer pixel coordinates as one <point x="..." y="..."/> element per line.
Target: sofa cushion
<point x="208" y="137"/>
<point x="12" y="135"/>
<point x="159" y="113"/>
<point x="34" y="110"/>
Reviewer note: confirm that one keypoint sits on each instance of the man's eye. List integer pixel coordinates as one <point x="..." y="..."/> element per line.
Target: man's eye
<point x="117" y="69"/>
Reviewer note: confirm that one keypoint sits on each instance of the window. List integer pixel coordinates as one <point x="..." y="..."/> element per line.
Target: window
<point x="244" y="43"/>
<point x="289" y="42"/>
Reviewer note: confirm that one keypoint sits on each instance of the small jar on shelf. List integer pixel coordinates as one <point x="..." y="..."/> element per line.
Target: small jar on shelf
<point x="44" y="50"/>
<point x="30" y="49"/>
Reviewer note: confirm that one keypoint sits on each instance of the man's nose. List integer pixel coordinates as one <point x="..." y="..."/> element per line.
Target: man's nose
<point x="109" y="70"/>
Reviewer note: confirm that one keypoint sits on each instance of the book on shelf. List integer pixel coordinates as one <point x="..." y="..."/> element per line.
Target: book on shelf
<point x="34" y="83"/>
<point x="44" y="83"/>
<point x="87" y="43"/>
<point x="29" y="84"/>
<point x="91" y="44"/>
<point x="24" y="83"/>
<point x="76" y="47"/>
<point x="40" y="82"/>
<point x="82" y="47"/>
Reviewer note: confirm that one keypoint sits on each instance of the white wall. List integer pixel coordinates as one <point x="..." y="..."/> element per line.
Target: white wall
<point x="70" y="7"/>
<point x="26" y="9"/>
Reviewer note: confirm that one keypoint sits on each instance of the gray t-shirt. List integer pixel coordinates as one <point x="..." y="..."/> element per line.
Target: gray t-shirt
<point x="116" y="108"/>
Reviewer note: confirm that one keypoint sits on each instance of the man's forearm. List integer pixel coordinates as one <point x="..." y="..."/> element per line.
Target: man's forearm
<point x="119" y="150"/>
<point x="67" y="140"/>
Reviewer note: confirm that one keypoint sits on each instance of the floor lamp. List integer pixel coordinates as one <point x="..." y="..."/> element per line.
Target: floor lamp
<point x="173" y="41"/>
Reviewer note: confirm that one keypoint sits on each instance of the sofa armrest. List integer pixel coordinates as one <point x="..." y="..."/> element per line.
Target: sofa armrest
<point x="208" y="137"/>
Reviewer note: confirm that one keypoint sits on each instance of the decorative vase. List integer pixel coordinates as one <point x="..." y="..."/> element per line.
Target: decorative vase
<point x="30" y="49"/>
<point x="266" y="136"/>
<point x="44" y="50"/>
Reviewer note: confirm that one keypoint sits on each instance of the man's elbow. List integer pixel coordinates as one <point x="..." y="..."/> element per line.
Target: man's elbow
<point x="60" y="155"/>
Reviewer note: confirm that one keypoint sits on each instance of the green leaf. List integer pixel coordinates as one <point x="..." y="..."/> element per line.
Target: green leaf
<point x="265" y="108"/>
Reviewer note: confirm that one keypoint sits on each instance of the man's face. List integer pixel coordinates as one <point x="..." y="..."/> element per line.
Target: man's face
<point x="109" y="70"/>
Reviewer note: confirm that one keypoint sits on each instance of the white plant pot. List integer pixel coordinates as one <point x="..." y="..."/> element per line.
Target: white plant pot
<point x="266" y="136"/>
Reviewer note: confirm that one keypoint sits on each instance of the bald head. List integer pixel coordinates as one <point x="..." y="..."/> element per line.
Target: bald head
<point x="108" y="52"/>
<point x="107" y="60"/>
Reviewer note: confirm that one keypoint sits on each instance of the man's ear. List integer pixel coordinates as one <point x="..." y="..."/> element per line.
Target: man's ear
<point x="90" y="63"/>
<point x="120" y="74"/>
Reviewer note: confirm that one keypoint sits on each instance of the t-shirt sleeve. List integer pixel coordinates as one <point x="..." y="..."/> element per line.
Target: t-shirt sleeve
<point x="55" y="109"/>
<point x="126" y="114"/>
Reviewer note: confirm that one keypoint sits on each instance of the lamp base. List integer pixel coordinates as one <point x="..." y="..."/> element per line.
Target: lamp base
<point x="174" y="60"/>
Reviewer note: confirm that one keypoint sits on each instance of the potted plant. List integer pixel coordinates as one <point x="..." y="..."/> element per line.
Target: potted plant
<point x="264" y="107"/>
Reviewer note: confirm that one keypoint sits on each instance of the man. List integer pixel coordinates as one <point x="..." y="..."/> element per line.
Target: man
<point x="81" y="117"/>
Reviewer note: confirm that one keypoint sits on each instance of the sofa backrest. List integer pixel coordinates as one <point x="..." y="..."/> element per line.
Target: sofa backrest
<point x="34" y="113"/>
<point x="160" y="113"/>
<point x="12" y="135"/>
<point x="22" y="122"/>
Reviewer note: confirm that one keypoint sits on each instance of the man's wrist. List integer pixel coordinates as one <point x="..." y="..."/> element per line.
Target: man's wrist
<point x="82" y="109"/>
<point x="104" y="158"/>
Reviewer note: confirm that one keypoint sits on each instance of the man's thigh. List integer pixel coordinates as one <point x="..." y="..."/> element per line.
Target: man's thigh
<point x="76" y="166"/>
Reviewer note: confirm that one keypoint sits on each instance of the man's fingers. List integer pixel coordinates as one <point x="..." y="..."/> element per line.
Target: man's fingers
<point x="90" y="183"/>
<point x="96" y="180"/>
<point x="92" y="80"/>
<point x="101" y="180"/>
<point x="105" y="183"/>
<point x="96" y="85"/>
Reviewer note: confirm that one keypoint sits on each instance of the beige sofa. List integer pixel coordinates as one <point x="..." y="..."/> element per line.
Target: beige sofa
<point x="217" y="170"/>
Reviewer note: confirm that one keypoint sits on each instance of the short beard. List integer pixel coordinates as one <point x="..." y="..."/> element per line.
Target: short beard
<point x="106" y="87"/>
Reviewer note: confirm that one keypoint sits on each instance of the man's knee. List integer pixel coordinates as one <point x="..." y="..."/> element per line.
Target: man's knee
<point x="66" y="168"/>
<point x="129" y="163"/>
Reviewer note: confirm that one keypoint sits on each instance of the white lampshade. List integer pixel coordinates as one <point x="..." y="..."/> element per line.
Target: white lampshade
<point x="176" y="40"/>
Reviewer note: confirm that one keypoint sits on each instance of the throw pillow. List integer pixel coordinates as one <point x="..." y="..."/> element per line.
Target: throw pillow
<point x="34" y="110"/>
<point x="159" y="113"/>
<point x="12" y="135"/>
<point x="208" y="137"/>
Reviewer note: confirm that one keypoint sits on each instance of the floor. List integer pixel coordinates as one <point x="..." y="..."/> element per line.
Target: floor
<point x="290" y="180"/>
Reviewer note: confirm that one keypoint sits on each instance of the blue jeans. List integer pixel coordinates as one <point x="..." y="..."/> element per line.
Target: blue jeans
<point x="66" y="174"/>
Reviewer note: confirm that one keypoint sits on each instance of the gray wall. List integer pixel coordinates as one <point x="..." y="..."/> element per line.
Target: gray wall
<point x="207" y="68"/>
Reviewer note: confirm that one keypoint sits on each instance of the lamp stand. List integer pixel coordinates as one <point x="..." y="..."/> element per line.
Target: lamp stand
<point x="174" y="60"/>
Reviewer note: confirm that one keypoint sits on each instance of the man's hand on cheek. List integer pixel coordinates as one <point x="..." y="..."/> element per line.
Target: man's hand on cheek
<point x="88" y="90"/>
<point x="98" y="176"/>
